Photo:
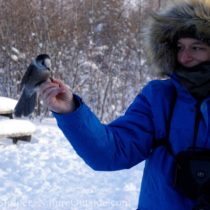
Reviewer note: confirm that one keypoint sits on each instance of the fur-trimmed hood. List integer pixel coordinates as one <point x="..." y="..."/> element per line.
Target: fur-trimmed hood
<point x="189" y="18"/>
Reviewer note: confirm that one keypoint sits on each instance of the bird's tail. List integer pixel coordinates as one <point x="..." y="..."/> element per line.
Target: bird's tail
<point x="25" y="104"/>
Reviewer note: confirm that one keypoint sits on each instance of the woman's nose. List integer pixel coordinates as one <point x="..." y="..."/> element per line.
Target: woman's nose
<point x="185" y="56"/>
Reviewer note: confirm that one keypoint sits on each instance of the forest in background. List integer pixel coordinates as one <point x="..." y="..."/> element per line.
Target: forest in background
<point x="95" y="47"/>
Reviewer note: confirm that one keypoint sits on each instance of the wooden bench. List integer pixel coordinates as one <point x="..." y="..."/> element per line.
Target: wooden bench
<point x="16" y="129"/>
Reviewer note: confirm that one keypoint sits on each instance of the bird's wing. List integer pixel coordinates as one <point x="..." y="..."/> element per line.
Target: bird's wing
<point x="27" y="75"/>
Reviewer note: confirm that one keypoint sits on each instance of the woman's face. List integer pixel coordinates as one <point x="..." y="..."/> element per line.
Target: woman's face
<point x="192" y="52"/>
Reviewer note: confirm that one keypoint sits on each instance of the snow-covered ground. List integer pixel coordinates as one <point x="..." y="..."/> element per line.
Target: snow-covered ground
<point x="47" y="174"/>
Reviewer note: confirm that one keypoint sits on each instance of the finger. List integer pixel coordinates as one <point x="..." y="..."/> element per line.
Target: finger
<point x="44" y="88"/>
<point x="44" y="84"/>
<point x="50" y="97"/>
<point x="61" y="84"/>
<point x="58" y="82"/>
<point x="47" y="83"/>
<point x="52" y="92"/>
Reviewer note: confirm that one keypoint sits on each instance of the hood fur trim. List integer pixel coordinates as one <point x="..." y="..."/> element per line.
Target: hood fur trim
<point x="189" y="18"/>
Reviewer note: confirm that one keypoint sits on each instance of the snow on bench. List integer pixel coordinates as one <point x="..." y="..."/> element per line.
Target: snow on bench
<point x="16" y="129"/>
<point x="7" y="106"/>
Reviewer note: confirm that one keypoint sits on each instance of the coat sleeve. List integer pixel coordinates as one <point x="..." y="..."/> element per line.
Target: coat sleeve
<point x="119" y="145"/>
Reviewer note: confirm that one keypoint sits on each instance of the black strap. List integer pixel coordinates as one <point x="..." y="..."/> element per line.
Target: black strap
<point x="166" y="140"/>
<point x="197" y="120"/>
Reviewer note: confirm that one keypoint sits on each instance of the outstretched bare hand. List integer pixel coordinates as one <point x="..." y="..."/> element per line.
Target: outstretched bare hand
<point x="57" y="96"/>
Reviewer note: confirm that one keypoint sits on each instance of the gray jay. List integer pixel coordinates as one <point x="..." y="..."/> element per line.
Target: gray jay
<point x="37" y="73"/>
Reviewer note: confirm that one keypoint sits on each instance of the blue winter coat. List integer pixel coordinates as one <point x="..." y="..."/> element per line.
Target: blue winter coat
<point x="128" y="140"/>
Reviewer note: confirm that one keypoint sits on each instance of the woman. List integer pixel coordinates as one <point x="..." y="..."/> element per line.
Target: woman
<point x="166" y="118"/>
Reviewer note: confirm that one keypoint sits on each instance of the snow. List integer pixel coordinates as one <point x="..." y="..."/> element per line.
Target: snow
<point x="13" y="127"/>
<point x="15" y="50"/>
<point x="47" y="174"/>
<point x="7" y="105"/>
<point x="14" y="57"/>
<point x="89" y="64"/>
<point x="19" y="127"/>
<point x="99" y="27"/>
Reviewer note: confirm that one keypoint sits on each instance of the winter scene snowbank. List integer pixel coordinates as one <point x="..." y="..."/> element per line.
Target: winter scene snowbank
<point x="47" y="174"/>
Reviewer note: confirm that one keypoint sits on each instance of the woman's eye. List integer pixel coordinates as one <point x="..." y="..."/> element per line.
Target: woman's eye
<point x="198" y="48"/>
<point x="179" y="48"/>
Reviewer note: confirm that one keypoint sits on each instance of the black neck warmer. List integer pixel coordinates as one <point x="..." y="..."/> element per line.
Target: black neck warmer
<point x="196" y="79"/>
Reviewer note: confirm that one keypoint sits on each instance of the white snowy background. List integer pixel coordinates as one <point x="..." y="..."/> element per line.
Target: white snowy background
<point x="47" y="174"/>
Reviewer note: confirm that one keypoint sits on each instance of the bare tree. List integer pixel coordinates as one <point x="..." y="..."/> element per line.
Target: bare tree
<point x="95" y="46"/>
